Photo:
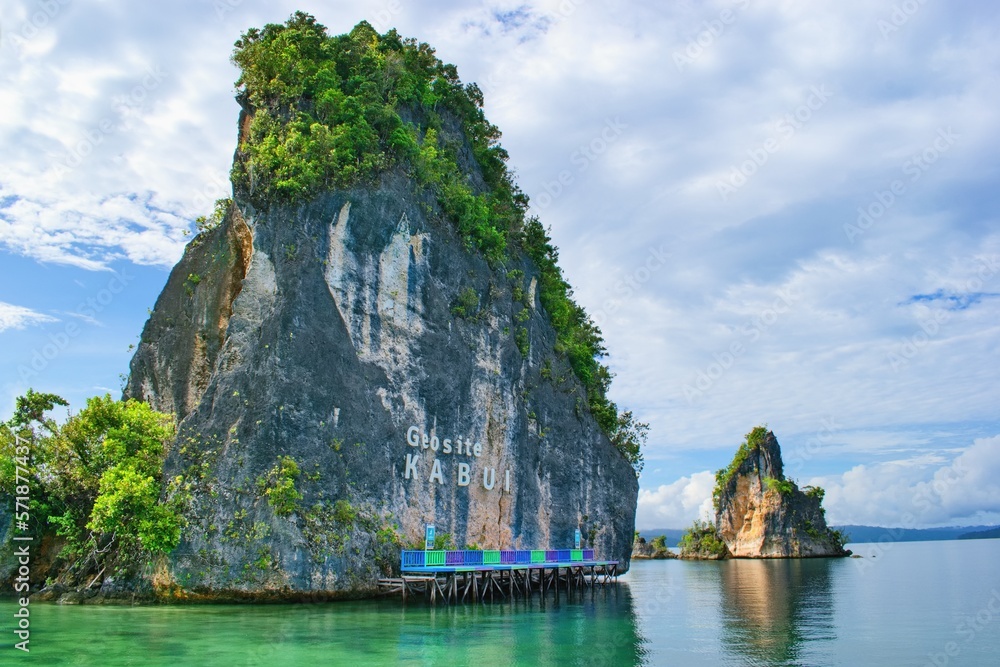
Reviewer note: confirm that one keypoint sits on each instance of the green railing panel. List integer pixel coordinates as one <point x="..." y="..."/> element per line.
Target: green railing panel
<point x="537" y="555"/>
<point x="491" y="557"/>
<point x="435" y="558"/>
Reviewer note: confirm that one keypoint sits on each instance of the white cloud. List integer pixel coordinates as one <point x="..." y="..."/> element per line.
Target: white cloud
<point x="19" y="317"/>
<point x="924" y="490"/>
<point x="919" y="492"/>
<point x="112" y="144"/>
<point x="676" y="505"/>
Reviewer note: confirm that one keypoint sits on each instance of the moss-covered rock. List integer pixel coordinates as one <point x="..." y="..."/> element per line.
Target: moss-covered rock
<point x="762" y="514"/>
<point x="333" y="326"/>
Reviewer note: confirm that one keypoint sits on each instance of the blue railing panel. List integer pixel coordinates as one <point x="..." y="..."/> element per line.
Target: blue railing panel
<point x="413" y="559"/>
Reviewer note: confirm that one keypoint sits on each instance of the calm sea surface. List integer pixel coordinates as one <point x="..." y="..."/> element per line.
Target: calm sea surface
<point x="922" y="603"/>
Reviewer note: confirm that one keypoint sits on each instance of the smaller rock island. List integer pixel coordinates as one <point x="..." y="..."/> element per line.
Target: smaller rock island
<point x="655" y="549"/>
<point x="759" y="513"/>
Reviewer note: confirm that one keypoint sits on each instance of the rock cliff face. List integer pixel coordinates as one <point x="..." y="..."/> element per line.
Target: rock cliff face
<point x="327" y="332"/>
<point x="760" y="514"/>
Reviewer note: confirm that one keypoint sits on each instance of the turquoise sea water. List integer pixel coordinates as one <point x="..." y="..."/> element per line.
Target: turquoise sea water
<point x="928" y="603"/>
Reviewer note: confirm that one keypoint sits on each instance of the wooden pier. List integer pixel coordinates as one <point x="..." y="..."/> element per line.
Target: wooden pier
<point x="461" y="576"/>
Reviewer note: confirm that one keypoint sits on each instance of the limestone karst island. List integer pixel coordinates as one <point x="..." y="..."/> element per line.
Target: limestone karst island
<point x="759" y="513"/>
<point x="367" y="363"/>
<point x="369" y="338"/>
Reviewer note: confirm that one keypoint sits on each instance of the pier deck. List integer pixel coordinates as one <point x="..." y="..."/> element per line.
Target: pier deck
<point x="457" y="576"/>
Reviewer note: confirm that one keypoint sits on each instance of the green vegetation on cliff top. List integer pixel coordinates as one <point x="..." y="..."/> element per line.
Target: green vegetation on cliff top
<point x="338" y="111"/>
<point x="335" y="111"/>
<point x="723" y="476"/>
<point x="702" y="541"/>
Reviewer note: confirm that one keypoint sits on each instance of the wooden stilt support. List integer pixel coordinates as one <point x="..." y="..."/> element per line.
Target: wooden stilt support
<point x="496" y="576"/>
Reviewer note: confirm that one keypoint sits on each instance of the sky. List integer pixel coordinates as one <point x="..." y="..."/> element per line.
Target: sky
<point x="779" y="213"/>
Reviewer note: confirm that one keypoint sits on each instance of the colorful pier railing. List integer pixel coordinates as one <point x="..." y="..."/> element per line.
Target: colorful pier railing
<point x="457" y="574"/>
<point x="412" y="559"/>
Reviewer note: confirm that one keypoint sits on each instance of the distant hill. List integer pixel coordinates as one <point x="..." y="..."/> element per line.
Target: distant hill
<point x="863" y="534"/>
<point x="673" y="535"/>
<point x="981" y="534"/>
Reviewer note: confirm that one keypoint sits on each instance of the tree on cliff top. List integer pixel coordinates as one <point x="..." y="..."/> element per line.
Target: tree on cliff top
<point x="751" y="443"/>
<point x="335" y="111"/>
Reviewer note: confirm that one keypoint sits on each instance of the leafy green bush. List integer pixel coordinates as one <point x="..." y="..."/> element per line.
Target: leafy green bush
<point x="701" y="540"/>
<point x="344" y="513"/>
<point x="466" y="305"/>
<point x="278" y="486"/>
<point x="581" y="341"/>
<point x="205" y="223"/>
<point x="839" y="537"/>
<point x="723" y="476"/>
<point x="783" y="486"/>
<point x="836" y="537"/>
<point x="443" y="541"/>
<point x="522" y="341"/>
<point x="97" y="481"/>
<point x="628" y="437"/>
<point x="816" y="492"/>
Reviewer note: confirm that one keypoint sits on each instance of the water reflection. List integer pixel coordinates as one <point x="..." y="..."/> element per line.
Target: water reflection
<point x="694" y="614"/>
<point x="595" y="629"/>
<point x="771" y="608"/>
